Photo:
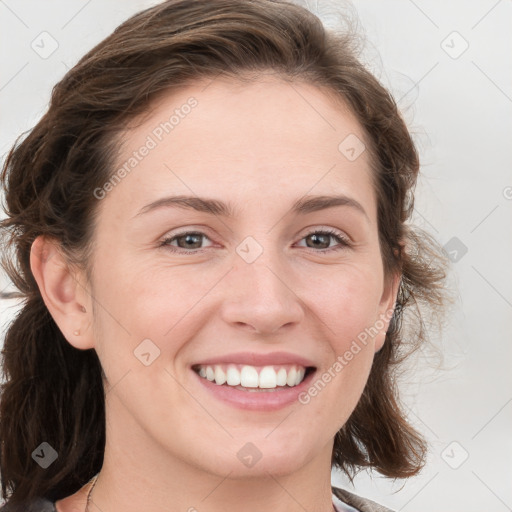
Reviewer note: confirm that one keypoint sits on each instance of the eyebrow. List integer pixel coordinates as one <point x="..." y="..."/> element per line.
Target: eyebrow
<point x="302" y="206"/>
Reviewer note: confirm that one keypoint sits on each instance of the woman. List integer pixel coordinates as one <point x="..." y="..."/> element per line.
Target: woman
<point x="209" y="227"/>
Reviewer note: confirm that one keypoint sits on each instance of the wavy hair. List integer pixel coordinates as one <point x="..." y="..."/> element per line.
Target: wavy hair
<point x="54" y="392"/>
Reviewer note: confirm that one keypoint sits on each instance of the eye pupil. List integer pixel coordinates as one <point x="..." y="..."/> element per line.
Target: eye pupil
<point x="317" y="237"/>
<point x="190" y="236"/>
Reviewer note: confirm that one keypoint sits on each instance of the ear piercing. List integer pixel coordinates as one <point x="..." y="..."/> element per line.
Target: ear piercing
<point x="77" y="332"/>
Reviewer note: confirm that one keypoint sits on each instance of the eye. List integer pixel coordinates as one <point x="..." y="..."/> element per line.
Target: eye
<point x="322" y="238"/>
<point x="190" y="241"/>
<point x="186" y="240"/>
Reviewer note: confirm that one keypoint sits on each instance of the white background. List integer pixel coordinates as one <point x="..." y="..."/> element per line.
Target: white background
<point x="458" y="104"/>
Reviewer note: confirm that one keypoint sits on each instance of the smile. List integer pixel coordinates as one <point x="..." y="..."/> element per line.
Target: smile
<point x="247" y="376"/>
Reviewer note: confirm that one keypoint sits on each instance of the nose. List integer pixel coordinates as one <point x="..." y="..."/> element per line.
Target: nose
<point x="259" y="298"/>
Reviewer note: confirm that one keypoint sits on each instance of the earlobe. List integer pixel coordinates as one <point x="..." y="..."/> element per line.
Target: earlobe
<point x="386" y="309"/>
<point x="64" y="295"/>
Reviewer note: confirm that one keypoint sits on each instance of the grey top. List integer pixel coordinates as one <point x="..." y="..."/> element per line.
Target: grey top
<point x="344" y="501"/>
<point x="357" y="503"/>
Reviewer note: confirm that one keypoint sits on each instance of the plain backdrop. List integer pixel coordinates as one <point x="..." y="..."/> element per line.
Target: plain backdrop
<point x="448" y="64"/>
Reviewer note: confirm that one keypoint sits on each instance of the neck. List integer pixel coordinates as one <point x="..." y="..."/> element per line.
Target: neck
<point x="206" y="495"/>
<point x="138" y="475"/>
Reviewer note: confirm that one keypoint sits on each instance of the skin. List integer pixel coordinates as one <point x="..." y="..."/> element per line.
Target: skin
<point x="170" y="445"/>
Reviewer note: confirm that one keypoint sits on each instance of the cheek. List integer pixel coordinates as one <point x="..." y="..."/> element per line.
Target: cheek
<point x="138" y="302"/>
<point x="133" y="293"/>
<point x="347" y="302"/>
<point x="346" y="308"/>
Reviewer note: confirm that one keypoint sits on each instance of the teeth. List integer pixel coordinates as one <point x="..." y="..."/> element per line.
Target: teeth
<point x="220" y="376"/>
<point x="290" y="380"/>
<point x="233" y="376"/>
<point x="267" y="378"/>
<point x="210" y="374"/>
<point x="281" y="377"/>
<point x="248" y="376"/>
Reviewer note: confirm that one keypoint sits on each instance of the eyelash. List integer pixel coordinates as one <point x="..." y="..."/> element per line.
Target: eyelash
<point x="343" y="241"/>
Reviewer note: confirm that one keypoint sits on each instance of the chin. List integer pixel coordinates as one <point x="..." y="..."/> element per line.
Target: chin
<point x="248" y="461"/>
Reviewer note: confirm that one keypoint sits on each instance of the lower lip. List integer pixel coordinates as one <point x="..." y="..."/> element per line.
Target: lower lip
<point x="279" y="398"/>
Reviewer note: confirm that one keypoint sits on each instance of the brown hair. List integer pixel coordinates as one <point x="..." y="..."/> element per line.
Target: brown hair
<point x="52" y="391"/>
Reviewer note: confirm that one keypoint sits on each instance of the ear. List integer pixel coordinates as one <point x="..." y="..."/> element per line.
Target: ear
<point x="386" y="308"/>
<point x="63" y="289"/>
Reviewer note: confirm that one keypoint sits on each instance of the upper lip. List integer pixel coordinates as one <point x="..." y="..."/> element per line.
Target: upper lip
<point x="254" y="359"/>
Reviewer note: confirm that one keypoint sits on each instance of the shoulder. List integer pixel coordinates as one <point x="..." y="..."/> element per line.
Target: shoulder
<point x="359" y="503"/>
<point x="348" y="498"/>
<point x="36" y="505"/>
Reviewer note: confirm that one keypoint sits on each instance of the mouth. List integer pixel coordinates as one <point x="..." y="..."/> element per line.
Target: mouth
<point x="250" y="378"/>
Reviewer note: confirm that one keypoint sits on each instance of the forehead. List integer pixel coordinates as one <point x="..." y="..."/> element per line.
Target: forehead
<point x="263" y="138"/>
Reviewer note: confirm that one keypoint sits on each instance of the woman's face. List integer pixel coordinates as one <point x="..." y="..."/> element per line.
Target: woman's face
<point x="257" y="277"/>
